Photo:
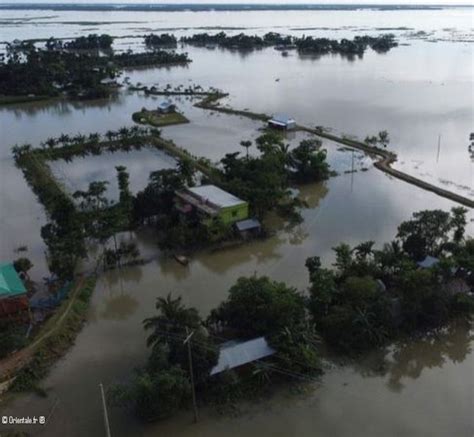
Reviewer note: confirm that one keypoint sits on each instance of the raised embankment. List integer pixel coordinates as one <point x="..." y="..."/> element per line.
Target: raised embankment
<point x="384" y="164"/>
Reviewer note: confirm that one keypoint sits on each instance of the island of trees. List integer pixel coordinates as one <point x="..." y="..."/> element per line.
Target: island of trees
<point x="304" y="44"/>
<point x="83" y="68"/>
<point x="87" y="67"/>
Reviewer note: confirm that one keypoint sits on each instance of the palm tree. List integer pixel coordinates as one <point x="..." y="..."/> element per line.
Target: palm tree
<point x="110" y="135"/>
<point x="186" y="169"/>
<point x="172" y="320"/>
<point x="383" y="138"/>
<point x="247" y="144"/>
<point x="64" y="138"/>
<point x="363" y="250"/>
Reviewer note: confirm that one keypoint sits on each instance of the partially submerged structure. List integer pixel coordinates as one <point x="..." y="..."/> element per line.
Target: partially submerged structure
<point x="211" y="203"/>
<point x="234" y="354"/>
<point x="13" y="298"/>
<point x="428" y="262"/>
<point x="248" y="228"/>
<point x="166" y="107"/>
<point x="282" y="121"/>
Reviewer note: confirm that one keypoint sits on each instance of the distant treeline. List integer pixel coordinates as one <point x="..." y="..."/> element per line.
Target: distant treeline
<point x="219" y="7"/>
<point x="81" y="68"/>
<point x="305" y="44"/>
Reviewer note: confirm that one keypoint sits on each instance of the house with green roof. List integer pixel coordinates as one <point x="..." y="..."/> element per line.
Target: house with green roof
<point x="13" y="298"/>
<point x="11" y="286"/>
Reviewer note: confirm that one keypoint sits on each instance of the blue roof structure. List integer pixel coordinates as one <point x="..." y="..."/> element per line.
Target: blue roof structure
<point x="428" y="262"/>
<point x="166" y="104"/>
<point x="282" y="120"/>
<point x="234" y="354"/>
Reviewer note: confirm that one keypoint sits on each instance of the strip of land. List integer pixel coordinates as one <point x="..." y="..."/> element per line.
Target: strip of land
<point x="11" y="365"/>
<point x="384" y="164"/>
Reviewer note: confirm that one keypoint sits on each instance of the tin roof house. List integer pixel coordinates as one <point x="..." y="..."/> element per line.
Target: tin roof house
<point x="234" y="354"/>
<point x="166" y="107"/>
<point x="210" y="202"/>
<point x="282" y="121"/>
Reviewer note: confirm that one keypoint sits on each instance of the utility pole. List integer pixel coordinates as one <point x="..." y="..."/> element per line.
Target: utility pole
<point x="439" y="147"/>
<point x="352" y="171"/>
<point x="106" y="415"/>
<point x="190" y="358"/>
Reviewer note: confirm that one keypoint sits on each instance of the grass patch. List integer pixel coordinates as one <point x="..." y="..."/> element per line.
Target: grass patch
<point x="11" y="100"/>
<point x="157" y="119"/>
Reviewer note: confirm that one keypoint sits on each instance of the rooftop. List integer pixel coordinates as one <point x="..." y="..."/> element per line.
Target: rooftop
<point x="428" y="262"/>
<point x="245" y="225"/>
<point x="234" y="354"/>
<point x="282" y="119"/>
<point x="165" y="104"/>
<point x="10" y="283"/>
<point x="218" y="197"/>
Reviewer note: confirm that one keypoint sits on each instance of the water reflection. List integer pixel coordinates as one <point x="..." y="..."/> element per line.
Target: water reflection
<point x="119" y="307"/>
<point x="408" y="359"/>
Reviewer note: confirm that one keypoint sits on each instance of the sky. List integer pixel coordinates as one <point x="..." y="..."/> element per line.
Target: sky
<point x="404" y="2"/>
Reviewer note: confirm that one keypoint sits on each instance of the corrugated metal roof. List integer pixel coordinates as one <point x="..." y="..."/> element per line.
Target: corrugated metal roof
<point x="245" y="225"/>
<point x="165" y="104"/>
<point x="428" y="262"/>
<point x="215" y="195"/>
<point x="10" y="283"/>
<point x="282" y="119"/>
<point x="234" y="354"/>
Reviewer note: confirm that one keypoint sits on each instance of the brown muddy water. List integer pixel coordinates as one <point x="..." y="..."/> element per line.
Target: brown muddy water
<point x="417" y="92"/>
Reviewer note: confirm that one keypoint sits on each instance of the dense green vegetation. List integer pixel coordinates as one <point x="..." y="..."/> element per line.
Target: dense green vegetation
<point x="12" y="337"/>
<point x="255" y="307"/>
<point x="162" y="386"/>
<point x="89" y="42"/>
<point x="83" y="68"/>
<point x="356" y="46"/>
<point x="264" y="180"/>
<point x="371" y="297"/>
<point x="91" y="218"/>
<point x="163" y="40"/>
<point x="376" y="295"/>
<point x="305" y="44"/>
<point x="157" y="119"/>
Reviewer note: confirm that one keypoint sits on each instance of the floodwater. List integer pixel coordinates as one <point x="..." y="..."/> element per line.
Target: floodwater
<point x="418" y="92"/>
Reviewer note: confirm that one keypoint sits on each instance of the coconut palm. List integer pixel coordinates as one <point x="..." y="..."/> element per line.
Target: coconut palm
<point x="247" y="144"/>
<point x="172" y="320"/>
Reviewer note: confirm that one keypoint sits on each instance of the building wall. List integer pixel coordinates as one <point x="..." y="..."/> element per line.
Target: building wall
<point x="234" y="214"/>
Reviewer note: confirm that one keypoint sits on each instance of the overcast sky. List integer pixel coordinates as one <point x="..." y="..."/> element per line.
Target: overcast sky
<point x="445" y="2"/>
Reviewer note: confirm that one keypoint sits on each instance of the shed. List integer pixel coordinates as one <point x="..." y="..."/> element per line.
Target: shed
<point x="248" y="227"/>
<point x="282" y="121"/>
<point x="234" y="354"/>
<point x="166" y="107"/>
<point x="428" y="262"/>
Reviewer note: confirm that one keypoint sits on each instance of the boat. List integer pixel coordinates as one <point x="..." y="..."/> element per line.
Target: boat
<point x="183" y="260"/>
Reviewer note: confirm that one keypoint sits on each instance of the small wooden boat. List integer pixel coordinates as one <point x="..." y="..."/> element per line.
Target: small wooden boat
<point x="181" y="259"/>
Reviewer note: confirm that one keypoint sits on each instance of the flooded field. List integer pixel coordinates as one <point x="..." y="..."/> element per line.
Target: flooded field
<point x="421" y="93"/>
